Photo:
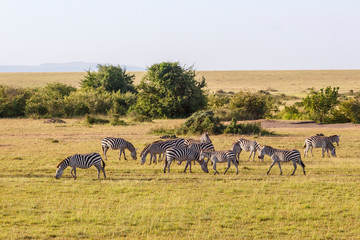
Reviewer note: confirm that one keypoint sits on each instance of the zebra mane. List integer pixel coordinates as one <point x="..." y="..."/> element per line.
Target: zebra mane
<point x="63" y="161"/>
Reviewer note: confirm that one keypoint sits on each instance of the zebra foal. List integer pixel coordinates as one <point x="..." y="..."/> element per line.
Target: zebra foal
<point x="183" y="154"/>
<point x="220" y="156"/>
<point x="319" y="141"/>
<point x="118" y="143"/>
<point x="279" y="155"/>
<point x="81" y="161"/>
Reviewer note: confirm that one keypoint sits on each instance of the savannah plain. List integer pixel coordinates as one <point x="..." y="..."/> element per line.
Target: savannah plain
<point x="141" y="202"/>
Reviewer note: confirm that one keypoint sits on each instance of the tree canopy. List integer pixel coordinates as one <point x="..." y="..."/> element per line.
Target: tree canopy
<point x="169" y="90"/>
<point x="111" y="78"/>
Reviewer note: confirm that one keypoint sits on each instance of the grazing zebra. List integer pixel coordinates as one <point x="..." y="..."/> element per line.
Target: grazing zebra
<point x="81" y="161"/>
<point x="197" y="147"/>
<point x="323" y="142"/>
<point x="203" y="139"/>
<point x="220" y="156"/>
<point x="278" y="155"/>
<point x="246" y="145"/>
<point x="160" y="147"/>
<point x="118" y="143"/>
<point x="183" y="154"/>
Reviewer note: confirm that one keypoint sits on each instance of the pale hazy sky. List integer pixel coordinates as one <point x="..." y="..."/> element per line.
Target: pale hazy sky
<point x="211" y="35"/>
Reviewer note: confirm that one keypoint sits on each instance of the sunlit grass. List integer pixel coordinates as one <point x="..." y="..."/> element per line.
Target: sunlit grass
<point x="140" y="202"/>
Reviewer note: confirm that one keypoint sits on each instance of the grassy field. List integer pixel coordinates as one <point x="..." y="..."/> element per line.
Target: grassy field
<point x="140" y="202"/>
<point x="295" y="83"/>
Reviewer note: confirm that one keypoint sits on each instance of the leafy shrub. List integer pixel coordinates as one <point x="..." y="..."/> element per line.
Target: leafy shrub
<point x="200" y="122"/>
<point x="246" y="128"/>
<point x="48" y="101"/>
<point x="320" y="104"/>
<point x="170" y="91"/>
<point x="137" y="117"/>
<point x="291" y="113"/>
<point x="13" y="101"/>
<point x="351" y="109"/>
<point x="216" y="101"/>
<point x="122" y="102"/>
<point x="109" y="77"/>
<point x="88" y="101"/>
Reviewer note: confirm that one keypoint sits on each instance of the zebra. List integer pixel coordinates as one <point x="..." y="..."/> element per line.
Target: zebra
<point x="160" y="147"/>
<point x="323" y="142"/>
<point x="81" y="161"/>
<point x="220" y="156"/>
<point x="183" y="154"/>
<point x="279" y="155"/>
<point x="118" y="143"/>
<point x="203" y="139"/>
<point x="200" y="146"/>
<point x="246" y="145"/>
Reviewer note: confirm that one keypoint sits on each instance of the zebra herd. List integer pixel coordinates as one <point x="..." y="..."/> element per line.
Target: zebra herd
<point x="188" y="150"/>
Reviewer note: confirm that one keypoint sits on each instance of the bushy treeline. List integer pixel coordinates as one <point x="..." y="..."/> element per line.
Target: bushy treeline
<point x="169" y="90"/>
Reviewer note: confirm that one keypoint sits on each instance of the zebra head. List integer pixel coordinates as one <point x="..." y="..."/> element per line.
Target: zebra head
<point x="133" y="154"/>
<point x="333" y="152"/>
<point x="265" y="150"/>
<point x="143" y="159"/>
<point x="336" y="138"/>
<point x="59" y="172"/>
<point x="204" y="166"/>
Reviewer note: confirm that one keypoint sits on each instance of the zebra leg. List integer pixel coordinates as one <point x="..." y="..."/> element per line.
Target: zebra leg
<point x="323" y="152"/>
<point x="311" y="148"/>
<point x="73" y="170"/>
<point x="279" y="167"/>
<point x="165" y="164"/>
<point x="151" y="157"/>
<point x="250" y="155"/>
<point x="155" y="161"/>
<point x="214" y="167"/>
<point x="273" y="163"/>
<point x="105" y="149"/>
<point x="294" y="163"/>
<point x="168" y="166"/>
<point x="236" y="165"/>
<point x="124" y="153"/>
<point x="227" y="167"/>
<point x="98" y="169"/>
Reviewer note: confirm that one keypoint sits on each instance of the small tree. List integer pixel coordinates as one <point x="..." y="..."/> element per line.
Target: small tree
<point x="169" y="90"/>
<point x="320" y="104"/>
<point x="111" y="78"/>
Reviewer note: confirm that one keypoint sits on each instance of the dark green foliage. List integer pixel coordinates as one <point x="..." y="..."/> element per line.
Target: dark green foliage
<point x="93" y="120"/>
<point x="88" y="101"/>
<point x="351" y="109"/>
<point x="48" y="101"/>
<point x="170" y="91"/>
<point x="137" y="117"/>
<point x="200" y="122"/>
<point x="246" y="128"/>
<point x="320" y="104"/>
<point x="217" y="101"/>
<point x="292" y="113"/>
<point x="243" y="106"/>
<point x="111" y="78"/>
<point x="122" y="102"/>
<point x="13" y="101"/>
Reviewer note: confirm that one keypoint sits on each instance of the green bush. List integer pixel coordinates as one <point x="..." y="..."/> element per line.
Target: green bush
<point x="200" y="122"/>
<point x="88" y="101"/>
<point x="13" y="101"/>
<point x="115" y="121"/>
<point x="217" y="101"/>
<point x="170" y="91"/>
<point x="48" y="101"/>
<point x="246" y="128"/>
<point x="122" y="102"/>
<point x="109" y="77"/>
<point x="351" y="109"/>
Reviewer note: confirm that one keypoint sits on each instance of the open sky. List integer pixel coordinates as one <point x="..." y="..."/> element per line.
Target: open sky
<point x="211" y="35"/>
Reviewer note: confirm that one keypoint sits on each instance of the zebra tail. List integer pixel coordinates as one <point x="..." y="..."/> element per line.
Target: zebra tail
<point x="301" y="163"/>
<point x="103" y="163"/>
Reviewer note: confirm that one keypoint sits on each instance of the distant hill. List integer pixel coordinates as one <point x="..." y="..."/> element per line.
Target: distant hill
<point x="61" y="67"/>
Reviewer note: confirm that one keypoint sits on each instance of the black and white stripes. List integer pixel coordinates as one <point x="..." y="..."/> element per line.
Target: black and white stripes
<point x="118" y="143"/>
<point x="279" y="155"/>
<point x="323" y="142"/>
<point x="81" y="161"/>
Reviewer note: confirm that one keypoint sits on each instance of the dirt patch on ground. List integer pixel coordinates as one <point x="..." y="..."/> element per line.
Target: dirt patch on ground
<point x="265" y="123"/>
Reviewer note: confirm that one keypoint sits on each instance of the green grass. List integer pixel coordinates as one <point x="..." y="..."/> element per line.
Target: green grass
<point x="140" y="202"/>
